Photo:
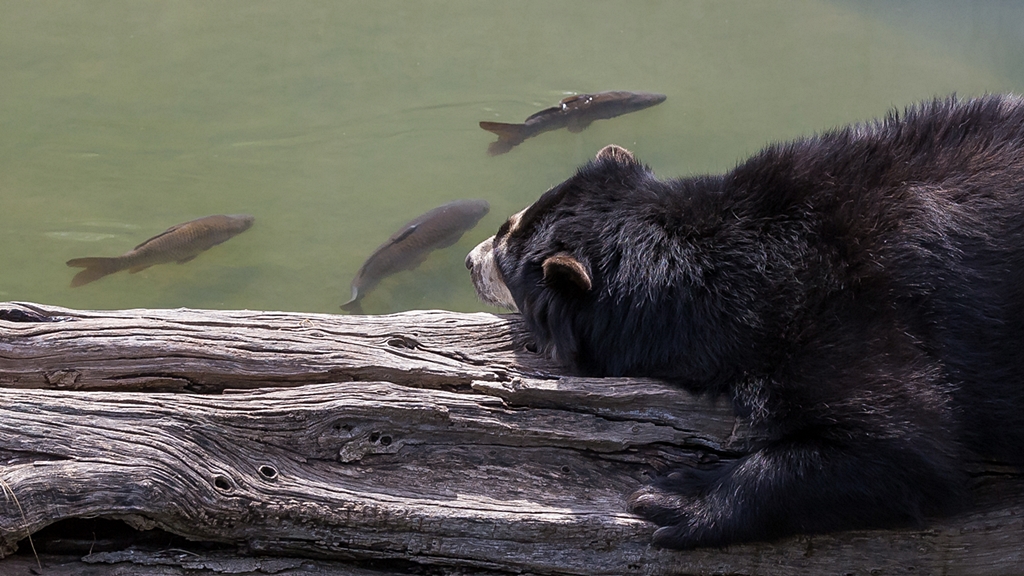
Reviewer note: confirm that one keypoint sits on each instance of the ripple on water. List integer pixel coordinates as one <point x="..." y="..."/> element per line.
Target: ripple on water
<point x="79" y="236"/>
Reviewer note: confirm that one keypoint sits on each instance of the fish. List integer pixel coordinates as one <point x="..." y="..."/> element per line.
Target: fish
<point x="180" y="243"/>
<point x="410" y="246"/>
<point x="574" y="113"/>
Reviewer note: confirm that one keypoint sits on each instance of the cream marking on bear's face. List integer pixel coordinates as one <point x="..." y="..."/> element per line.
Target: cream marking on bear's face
<point x="487" y="280"/>
<point x="514" y="220"/>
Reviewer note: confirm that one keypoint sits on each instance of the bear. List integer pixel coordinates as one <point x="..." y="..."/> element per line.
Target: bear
<point x="858" y="296"/>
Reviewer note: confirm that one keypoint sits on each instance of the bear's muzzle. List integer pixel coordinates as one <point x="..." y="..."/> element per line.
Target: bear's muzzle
<point x="487" y="279"/>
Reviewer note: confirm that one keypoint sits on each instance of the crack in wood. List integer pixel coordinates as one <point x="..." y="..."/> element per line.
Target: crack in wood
<point x="428" y="438"/>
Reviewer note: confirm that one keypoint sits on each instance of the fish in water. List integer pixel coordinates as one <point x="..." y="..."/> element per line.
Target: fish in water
<point x="407" y="248"/>
<point x="574" y="113"/>
<point x="179" y="244"/>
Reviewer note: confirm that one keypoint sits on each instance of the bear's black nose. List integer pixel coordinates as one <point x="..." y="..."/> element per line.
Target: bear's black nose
<point x="469" y="263"/>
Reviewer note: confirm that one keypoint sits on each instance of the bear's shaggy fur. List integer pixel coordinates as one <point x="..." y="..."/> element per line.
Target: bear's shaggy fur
<point x="858" y="294"/>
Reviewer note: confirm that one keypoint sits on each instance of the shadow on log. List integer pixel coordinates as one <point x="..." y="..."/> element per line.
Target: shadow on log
<point x="354" y="445"/>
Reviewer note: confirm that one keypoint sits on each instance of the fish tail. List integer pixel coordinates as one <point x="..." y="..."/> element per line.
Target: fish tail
<point x="509" y="135"/>
<point x="505" y="131"/>
<point x="95" y="268"/>
<point x="353" y="306"/>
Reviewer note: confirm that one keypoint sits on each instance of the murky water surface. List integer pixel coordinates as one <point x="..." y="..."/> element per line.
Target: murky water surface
<point x="336" y="122"/>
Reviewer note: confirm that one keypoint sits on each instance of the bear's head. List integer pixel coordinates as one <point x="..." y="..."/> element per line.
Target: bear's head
<point x="605" y="272"/>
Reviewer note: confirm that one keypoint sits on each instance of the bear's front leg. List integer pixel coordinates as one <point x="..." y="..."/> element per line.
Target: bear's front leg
<point x="814" y="483"/>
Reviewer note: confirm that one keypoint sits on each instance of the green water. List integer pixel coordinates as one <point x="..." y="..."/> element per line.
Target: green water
<point x="336" y="122"/>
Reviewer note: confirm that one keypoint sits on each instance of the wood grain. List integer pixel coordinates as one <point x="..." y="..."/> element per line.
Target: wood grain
<point x="430" y="437"/>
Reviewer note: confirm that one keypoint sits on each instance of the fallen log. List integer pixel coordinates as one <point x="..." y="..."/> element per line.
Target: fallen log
<point x="430" y="439"/>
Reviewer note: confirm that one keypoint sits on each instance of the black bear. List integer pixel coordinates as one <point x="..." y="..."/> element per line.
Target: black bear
<point x="858" y="294"/>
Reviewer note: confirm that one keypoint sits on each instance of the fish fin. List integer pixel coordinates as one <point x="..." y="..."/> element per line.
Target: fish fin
<point x="503" y="130"/>
<point x="164" y="233"/>
<point x="452" y="238"/>
<point x="95" y="268"/>
<point x="188" y="259"/>
<point x="577" y="126"/>
<point x="509" y="135"/>
<point x="138" y="269"/>
<point x="404" y="233"/>
<point x="353" y="306"/>
<point x="546" y="112"/>
<point x="499" y="147"/>
<point x="418" y="261"/>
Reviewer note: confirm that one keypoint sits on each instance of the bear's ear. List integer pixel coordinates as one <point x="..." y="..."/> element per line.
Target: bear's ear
<point x="562" y="268"/>
<point x="617" y="153"/>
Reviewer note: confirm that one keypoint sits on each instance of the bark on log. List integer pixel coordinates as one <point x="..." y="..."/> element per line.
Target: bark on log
<point x="429" y="437"/>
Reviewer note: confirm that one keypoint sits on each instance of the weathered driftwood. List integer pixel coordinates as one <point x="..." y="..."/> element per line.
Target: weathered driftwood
<point x="428" y="437"/>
